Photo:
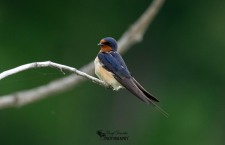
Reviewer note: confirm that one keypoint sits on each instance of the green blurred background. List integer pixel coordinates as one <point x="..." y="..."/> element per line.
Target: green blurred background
<point x="181" y="60"/>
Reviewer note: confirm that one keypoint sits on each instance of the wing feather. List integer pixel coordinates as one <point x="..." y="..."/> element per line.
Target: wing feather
<point x="129" y="84"/>
<point x="114" y="63"/>
<point x="147" y="94"/>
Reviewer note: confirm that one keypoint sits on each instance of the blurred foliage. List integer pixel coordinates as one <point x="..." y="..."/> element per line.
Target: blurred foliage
<point x="184" y="66"/>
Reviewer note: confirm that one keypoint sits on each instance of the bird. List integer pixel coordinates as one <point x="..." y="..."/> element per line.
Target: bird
<point x="111" y="68"/>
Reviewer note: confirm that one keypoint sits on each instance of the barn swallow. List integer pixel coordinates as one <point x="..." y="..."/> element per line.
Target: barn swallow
<point x="111" y="68"/>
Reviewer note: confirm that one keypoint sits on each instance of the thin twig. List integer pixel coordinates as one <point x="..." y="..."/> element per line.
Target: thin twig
<point x="53" y="65"/>
<point x="132" y="36"/>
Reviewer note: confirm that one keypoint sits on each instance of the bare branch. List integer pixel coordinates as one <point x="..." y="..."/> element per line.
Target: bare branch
<point x="53" y="65"/>
<point x="137" y="30"/>
<point x="132" y="36"/>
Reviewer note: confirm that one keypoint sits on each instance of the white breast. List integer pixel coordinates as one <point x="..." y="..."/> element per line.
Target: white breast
<point x="106" y="76"/>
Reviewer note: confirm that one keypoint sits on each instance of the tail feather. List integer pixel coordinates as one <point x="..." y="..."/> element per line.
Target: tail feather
<point x="135" y="88"/>
<point x="151" y="98"/>
<point x="147" y="94"/>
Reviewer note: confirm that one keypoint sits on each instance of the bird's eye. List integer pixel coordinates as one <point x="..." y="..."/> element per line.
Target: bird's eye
<point x="107" y="43"/>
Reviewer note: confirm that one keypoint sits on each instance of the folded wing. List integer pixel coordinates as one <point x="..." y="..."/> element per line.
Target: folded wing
<point x="114" y="63"/>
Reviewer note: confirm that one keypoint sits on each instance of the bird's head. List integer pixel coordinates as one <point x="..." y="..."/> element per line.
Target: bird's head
<point x="108" y="44"/>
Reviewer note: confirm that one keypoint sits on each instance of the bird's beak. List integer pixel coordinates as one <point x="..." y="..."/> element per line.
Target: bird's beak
<point x="100" y="44"/>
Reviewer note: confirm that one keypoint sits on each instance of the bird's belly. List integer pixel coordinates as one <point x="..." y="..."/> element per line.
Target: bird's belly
<point x="106" y="76"/>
